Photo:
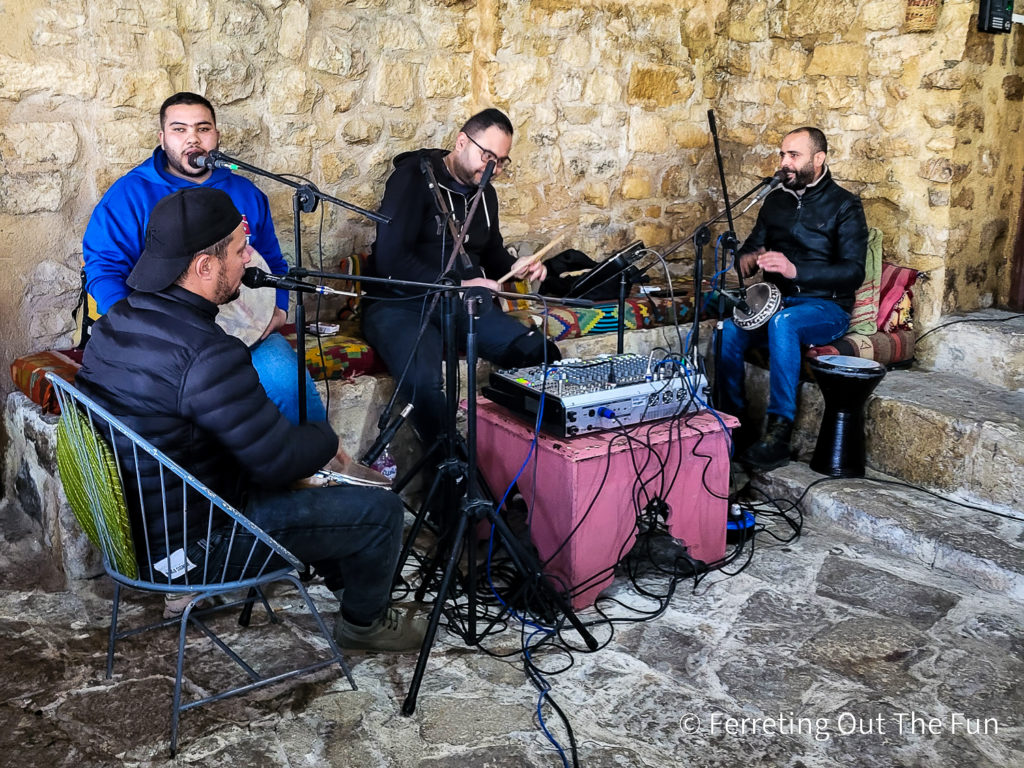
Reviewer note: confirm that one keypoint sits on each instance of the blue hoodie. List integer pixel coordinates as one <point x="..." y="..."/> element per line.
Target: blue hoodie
<point x="116" y="233"/>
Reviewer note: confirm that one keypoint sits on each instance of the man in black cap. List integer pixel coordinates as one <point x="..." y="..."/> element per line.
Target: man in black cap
<point x="159" y="361"/>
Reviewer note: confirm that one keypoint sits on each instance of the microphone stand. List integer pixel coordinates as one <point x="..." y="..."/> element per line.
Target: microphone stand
<point x="304" y="200"/>
<point x="475" y="503"/>
<point x="729" y="244"/>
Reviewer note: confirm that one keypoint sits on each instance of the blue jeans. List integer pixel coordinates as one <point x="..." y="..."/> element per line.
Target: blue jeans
<point x="801" y="322"/>
<point x="390" y="327"/>
<point x="275" y="363"/>
<point x="351" y="535"/>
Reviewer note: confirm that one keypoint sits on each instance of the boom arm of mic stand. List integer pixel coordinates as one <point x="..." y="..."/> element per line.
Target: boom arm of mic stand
<point x="311" y="189"/>
<point x="679" y="244"/>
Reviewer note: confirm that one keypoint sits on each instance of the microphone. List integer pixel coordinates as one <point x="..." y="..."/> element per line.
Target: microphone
<point x="206" y="161"/>
<point x="384" y="438"/>
<point x="767" y="190"/>
<point x="254" y="277"/>
<point x="488" y="172"/>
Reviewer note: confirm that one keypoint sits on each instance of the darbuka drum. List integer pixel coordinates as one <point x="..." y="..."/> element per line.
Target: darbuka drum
<point x="248" y="316"/>
<point x="763" y="301"/>
<point x="845" y="382"/>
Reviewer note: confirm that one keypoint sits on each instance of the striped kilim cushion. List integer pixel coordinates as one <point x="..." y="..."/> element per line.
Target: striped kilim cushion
<point x="29" y="374"/>
<point x="885" y="348"/>
<point x="565" y="323"/>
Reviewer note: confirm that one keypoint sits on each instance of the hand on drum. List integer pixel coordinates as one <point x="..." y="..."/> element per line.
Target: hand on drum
<point x="344" y="470"/>
<point x="748" y="262"/>
<point x="774" y="261"/>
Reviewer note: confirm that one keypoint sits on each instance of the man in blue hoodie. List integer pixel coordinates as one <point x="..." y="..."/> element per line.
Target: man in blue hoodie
<point x="115" y="236"/>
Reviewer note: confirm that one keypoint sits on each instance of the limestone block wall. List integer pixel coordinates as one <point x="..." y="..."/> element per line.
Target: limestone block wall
<point x="609" y="97"/>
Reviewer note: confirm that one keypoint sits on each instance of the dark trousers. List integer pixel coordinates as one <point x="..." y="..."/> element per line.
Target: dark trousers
<point x="391" y="328"/>
<point x="351" y="535"/>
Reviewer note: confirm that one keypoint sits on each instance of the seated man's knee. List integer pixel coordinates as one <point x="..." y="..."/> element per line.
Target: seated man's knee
<point x="531" y="348"/>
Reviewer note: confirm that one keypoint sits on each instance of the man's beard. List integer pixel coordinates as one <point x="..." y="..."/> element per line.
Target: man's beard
<point x="224" y="293"/>
<point x="185" y="169"/>
<point x="801" y="177"/>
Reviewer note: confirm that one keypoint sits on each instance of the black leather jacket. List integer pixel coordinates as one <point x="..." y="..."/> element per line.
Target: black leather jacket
<point x="823" y="232"/>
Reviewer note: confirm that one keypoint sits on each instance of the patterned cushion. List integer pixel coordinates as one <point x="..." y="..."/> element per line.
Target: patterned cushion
<point x="29" y="374"/>
<point x="863" y="317"/>
<point x="896" y="283"/>
<point x="345" y="354"/>
<point x="515" y="305"/>
<point x="887" y="348"/>
<point x="565" y="323"/>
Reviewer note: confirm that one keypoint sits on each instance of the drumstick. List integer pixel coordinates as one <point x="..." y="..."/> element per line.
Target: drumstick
<point x="537" y="257"/>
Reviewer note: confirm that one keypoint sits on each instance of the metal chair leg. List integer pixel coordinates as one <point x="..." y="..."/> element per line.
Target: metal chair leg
<point x="113" y="630"/>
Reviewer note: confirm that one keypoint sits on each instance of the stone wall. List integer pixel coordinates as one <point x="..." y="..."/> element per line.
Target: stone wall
<point x="609" y="97"/>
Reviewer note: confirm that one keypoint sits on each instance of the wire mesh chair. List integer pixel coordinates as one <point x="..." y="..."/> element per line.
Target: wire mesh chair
<point x="104" y="467"/>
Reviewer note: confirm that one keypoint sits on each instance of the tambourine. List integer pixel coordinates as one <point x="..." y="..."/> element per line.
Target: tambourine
<point x="763" y="301"/>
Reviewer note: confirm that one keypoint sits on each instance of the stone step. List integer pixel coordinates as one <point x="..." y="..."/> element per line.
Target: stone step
<point x="983" y="548"/>
<point x="948" y="433"/>
<point x="986" y="345"/>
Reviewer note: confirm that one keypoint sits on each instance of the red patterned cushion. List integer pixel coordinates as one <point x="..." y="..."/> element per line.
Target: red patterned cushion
<point x="896" y="281"/>
<point x="29" y="374"/>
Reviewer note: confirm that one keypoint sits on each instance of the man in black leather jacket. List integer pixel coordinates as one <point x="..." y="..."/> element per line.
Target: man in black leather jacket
<point x="416" y="246"/>
<point x="159" y="361"/>
<point x="810" y="240"/>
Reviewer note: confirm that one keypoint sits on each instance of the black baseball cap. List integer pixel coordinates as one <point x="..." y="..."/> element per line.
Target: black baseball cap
<point x="180" y="226"/>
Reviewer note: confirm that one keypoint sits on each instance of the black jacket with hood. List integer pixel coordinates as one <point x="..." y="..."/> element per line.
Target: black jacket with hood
<point x="417" y="243"/>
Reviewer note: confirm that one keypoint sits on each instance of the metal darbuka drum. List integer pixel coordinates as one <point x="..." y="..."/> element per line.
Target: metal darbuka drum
<point x="763" y="301"/>
<point x="845" y="382"/>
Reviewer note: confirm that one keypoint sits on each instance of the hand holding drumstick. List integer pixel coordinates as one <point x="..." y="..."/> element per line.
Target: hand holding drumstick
<point x="532" y="266"/>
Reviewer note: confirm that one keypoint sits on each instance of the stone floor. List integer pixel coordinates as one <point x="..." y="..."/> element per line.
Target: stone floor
<point x="824" y="651"/>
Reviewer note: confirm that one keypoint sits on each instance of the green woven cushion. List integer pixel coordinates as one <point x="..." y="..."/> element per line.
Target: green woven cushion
<point x="88" y="472"/>
<point x="863" y="316"/>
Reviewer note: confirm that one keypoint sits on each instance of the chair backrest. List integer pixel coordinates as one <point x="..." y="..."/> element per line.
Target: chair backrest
<point x="147" y="544"/>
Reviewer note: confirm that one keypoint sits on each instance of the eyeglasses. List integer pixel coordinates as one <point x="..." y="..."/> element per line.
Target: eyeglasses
<point x="500" y="163"/>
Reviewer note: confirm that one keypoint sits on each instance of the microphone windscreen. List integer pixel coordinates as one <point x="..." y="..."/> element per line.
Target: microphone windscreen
<point x="252" y="277"/>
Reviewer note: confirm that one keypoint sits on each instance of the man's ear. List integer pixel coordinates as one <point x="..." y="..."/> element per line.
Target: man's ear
<point x="202" y="266"/>
<point x="819" y="159"/>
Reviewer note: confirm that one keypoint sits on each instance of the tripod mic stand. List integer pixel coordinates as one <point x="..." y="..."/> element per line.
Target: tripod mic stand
<point x="472" y="510"/>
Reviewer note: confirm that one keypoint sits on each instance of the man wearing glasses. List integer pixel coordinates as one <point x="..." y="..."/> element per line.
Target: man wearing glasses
<point x="416" y="246"/>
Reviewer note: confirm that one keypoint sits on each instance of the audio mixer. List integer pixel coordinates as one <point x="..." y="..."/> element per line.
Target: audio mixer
<point x="605" y="392"/>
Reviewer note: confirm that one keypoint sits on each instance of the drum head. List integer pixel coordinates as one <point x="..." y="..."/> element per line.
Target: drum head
<point x="248" y="316"/>
<point x="848" y="363"/>
<point x="763" y="301"/>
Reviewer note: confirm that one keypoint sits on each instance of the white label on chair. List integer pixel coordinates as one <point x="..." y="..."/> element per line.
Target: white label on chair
<point x="178" y="564"/>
